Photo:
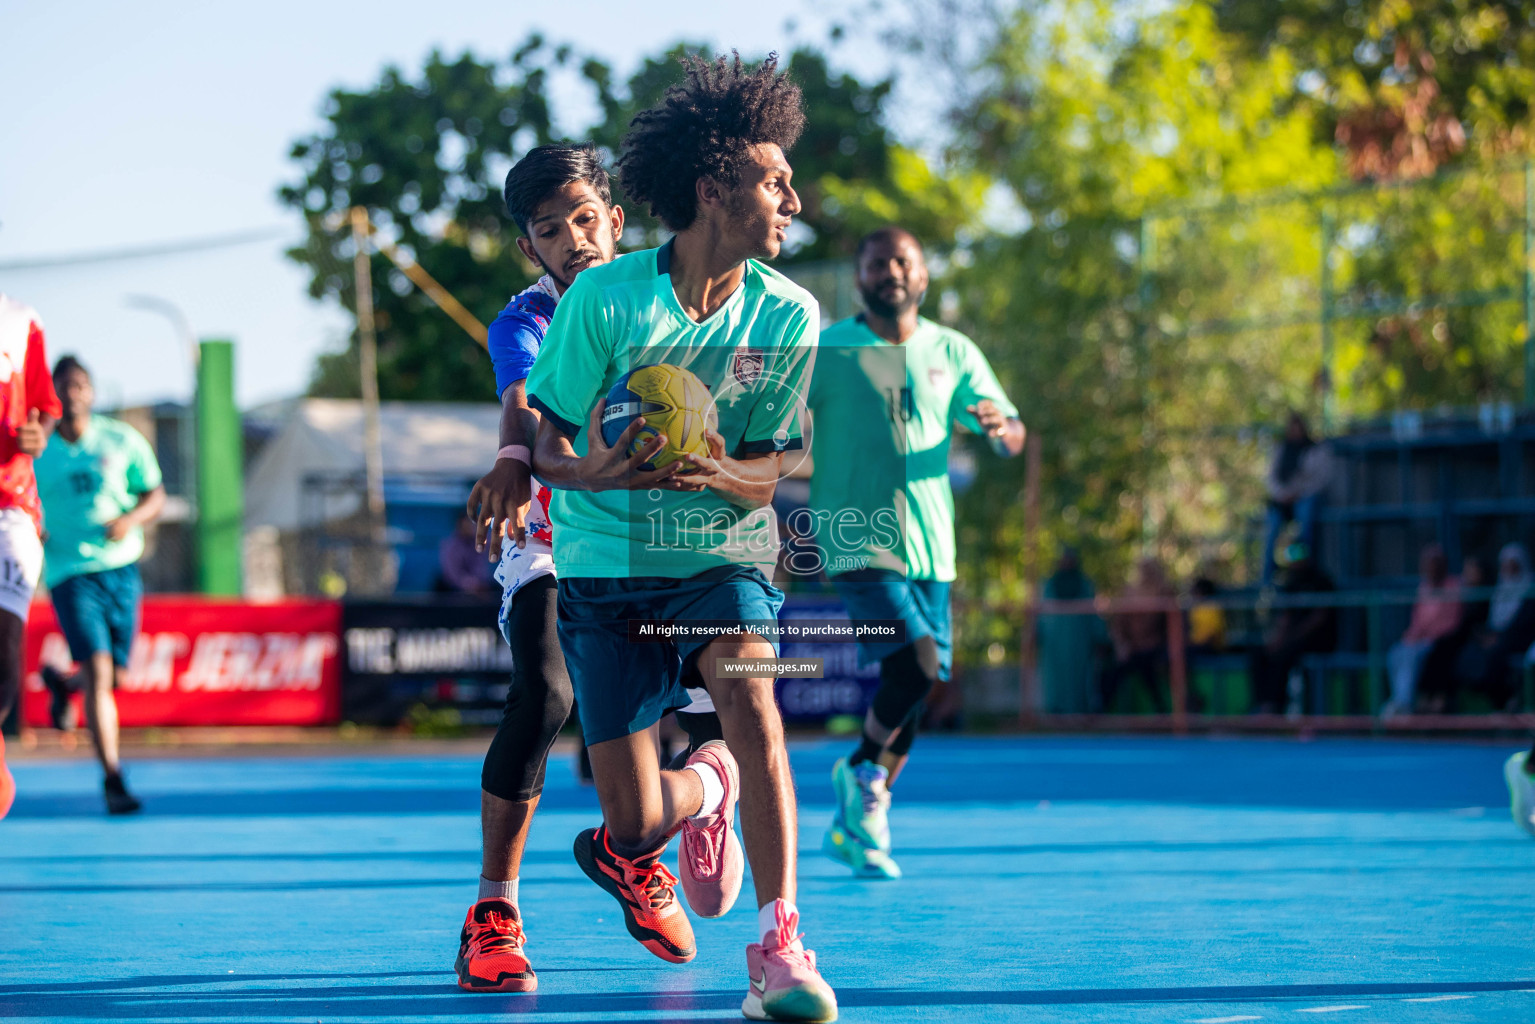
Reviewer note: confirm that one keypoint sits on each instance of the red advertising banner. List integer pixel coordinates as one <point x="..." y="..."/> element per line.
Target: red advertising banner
<point x="204" y="661"/>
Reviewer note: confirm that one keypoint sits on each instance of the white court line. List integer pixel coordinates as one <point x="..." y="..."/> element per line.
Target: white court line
<point x="1223" y="1020"/>
<point x="1330" y="1009"/>
<point x="1435" y="999"/>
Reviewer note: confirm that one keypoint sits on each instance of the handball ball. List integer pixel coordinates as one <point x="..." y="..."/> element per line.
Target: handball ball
<point x="673" y="401"/>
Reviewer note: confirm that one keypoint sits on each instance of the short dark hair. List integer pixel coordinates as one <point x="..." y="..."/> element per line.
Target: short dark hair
<point x="548" y="168"/>
<point x="700" y="129"/>
<point x="888" y="231"/>
<point x="67" y="363"/>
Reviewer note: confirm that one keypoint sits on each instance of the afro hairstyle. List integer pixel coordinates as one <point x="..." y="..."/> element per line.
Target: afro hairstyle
<point x="701" y="128"/>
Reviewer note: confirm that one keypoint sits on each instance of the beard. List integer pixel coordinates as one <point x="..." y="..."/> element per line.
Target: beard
<point x="880" y="307"/>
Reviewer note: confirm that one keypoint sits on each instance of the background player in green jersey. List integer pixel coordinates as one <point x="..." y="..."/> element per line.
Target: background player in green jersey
<point x="693" y="541"/>
<point x="888" y="387"/>
<point x="100" y="484"/>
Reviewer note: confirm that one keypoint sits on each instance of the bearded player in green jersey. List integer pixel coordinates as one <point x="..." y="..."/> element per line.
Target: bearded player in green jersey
<point x="889" y="386"/>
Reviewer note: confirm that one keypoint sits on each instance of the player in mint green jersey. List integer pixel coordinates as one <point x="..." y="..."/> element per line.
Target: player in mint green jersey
<point x="888" y="388"/>
<point x="100" y="484"/>
<point x="692" y="542"/>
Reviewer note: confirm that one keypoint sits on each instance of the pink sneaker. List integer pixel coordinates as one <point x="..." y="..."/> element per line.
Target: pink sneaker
<point x="784" y="984"/>
<point x="8" y="790"/>
<point x="710" y="862"/>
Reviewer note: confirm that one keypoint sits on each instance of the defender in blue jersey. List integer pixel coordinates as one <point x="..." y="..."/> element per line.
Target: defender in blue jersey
<point x="563" y="205"/>
<point x="686" y="544"/>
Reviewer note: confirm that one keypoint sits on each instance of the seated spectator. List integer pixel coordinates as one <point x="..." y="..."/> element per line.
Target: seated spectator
<point x="1068" y="642"/>
<point x="463" y="569"/>
<point x="1486" y="666"/>
<point x="1207" y="620"/>
<point x="1139" y="634"/>
<point x="1300" y="474"/>
<point x="1437" y="681"/>
<point x="1295" y="631"/>
<point x="1435" y="616"/>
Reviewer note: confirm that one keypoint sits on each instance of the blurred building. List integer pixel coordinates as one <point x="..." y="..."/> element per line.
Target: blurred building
<point x="306" y="490"/>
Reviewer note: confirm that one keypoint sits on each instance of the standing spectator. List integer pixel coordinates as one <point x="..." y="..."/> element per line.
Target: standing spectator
<point x="463" y="569"/>
<point x="1296" y="631"/>
<point x="1140" y="635"/>
<point x="1067" y="641"/>
<point x="28" y="408"/>
<point x="1435" y="616"/>
<point x="100" y="484"/>
<point x="1301" y="472"/>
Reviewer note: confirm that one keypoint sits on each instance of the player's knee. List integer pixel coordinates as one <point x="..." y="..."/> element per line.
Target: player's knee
<point x="747" y="700"/>
<point x="906" y="679"/>
<point x="559" y="700"/>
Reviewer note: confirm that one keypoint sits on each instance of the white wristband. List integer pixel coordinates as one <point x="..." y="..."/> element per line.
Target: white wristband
<point x="516" y="451"/>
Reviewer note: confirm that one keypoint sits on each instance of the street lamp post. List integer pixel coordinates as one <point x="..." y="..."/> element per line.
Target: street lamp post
<point x="187" y="441"/>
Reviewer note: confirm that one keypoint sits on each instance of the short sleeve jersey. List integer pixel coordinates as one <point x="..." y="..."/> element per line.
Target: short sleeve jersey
<point x="515" y="338"/>
<point x="25" y="384"/>
<point x="86" y="484"/>
<point x="755" y="355"/>
<point x="882" y="424"/>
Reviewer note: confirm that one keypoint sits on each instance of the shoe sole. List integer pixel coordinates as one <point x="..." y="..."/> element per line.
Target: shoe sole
<point x="527" y="981"/>
<point x="800" y="1004"/>
<point x="851" y="854"/>
<point x="644" y="936"/>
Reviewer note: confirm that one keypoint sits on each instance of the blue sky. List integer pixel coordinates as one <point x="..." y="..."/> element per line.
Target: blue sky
<point x="124" y="125"/>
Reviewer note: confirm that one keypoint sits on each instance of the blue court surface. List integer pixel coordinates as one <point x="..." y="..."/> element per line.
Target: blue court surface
<point x="1047" y="879"/>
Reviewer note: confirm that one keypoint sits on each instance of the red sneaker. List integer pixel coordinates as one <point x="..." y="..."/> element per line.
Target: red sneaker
<point x="643" y="887"/>
<point x="782" y="980"/>
<point x="490" y="956"/>
<point x="7" y="783"/>
<point x="711" y="862"/>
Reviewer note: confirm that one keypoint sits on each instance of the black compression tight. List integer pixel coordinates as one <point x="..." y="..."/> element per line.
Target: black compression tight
<point x="905" y="679"/>
<point x="539" y="701"/>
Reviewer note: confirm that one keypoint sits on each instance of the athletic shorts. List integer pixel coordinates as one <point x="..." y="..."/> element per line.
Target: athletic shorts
<point x="518" y="566"/>
<point x="99" y="611"/>
<point x="923" y="605"/>
<point x="623" y="686"/>
<point x="21" y="561"/>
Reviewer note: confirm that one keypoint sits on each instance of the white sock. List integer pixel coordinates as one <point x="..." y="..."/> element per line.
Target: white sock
<point x="767" y="918"/>
<point x="714" y="789"/>
<point x="493" y="890"/>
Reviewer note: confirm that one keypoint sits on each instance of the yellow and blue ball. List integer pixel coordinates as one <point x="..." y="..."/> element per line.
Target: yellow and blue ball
<point x="673" y="401"/>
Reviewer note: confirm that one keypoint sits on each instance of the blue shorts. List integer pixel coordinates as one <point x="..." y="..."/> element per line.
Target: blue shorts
<point x="625" y="686"/>
<point x="923" y="605"/>
<point x="99" y="611"/>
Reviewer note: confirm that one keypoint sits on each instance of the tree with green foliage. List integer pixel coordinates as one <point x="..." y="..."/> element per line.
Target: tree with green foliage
<point x="1404" y="87"/>
<point x="427" y="157"/>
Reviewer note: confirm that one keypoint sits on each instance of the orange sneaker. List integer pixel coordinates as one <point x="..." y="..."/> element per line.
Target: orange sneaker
<point x="644" y="888"/>
<point x="7" y="783"/>
<point x="490" y="956"/>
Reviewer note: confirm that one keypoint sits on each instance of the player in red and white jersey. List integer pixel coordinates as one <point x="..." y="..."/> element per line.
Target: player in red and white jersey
<point x="28" y="409"/>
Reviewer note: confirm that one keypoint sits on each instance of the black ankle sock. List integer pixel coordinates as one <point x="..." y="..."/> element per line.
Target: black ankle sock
<point x="868" y="750"/>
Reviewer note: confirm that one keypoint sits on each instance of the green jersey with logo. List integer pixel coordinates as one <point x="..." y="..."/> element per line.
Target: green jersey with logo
<point x="882" y="419"/>
<point x="84" y="485"/>
<point x="754" y="354"/>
